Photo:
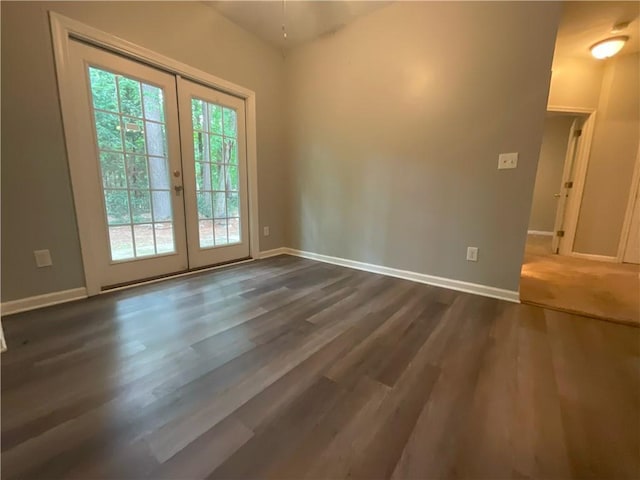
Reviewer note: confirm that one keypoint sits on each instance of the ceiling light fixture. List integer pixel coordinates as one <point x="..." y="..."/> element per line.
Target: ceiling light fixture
<point x="609" y="47"/>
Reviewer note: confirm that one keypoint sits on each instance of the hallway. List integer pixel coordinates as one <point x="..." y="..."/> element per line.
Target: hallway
<point x="597" y="289"/>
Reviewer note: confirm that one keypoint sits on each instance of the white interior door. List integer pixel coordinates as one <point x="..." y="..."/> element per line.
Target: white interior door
<point x="127" y="153"/>
<point x="567" y="183"/>
<point x="632" y="249"/>
<point x="214" y="160"/>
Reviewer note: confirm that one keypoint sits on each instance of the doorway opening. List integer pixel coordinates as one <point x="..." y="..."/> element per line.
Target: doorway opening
<point x="162" y="160"/>
<point x="556" y="273"/>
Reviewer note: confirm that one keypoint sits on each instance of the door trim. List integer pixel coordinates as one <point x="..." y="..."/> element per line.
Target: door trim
<point x="631" y="202"/>
<point x="572" y="209"/>
<point x="62" y="30"/>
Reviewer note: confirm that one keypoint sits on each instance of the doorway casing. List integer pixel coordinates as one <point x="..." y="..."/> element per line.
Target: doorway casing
<point x="62" y="30"/>
<point x="572" y="207"/>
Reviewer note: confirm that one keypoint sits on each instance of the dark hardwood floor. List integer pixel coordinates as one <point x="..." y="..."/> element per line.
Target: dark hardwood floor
<point x="288" y="368"/>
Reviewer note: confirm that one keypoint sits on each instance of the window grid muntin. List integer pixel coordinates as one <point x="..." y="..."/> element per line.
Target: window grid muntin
<point x="205" y="135"/>
<point x="125" y="153"/>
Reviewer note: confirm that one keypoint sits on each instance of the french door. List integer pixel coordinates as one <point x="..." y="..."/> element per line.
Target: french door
<point x="214" y="166"/>
<point x="163" y="168"/>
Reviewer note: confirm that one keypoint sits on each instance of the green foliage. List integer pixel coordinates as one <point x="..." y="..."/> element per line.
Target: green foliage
<point x="232" y="205"/>
<point x="196" y="114"/>
<point x="232" y="177"/>
<point x="137" y="173"/>
<point x="113" y="171"/>
<point x="215" y="118"/>
<point x="108" y="131"/>
<point x="130" y="97"/>
<point x="120" y="104"/>
<point x="153" y="103"/>
<point x="103" y="88"/>
<point x="230" y="122"/>
<point x="140" y="206"/>
<point x="204" y="205"/>
<point x="117" y="203"/>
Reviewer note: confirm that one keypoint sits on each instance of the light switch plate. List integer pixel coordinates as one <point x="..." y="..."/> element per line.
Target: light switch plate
<point x="507" y="160"/>
<point x="43" y="258"/>
<point x="472" y="254"/>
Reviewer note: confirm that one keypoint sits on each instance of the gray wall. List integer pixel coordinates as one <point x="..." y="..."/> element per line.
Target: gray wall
<point x="37" y="204"/>
<point x="395" y="126"/>
<point x="549" y="175"/>
<point x="613" y="155"/>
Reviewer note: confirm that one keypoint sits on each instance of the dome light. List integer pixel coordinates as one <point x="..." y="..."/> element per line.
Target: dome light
<point x="608" y="48"/>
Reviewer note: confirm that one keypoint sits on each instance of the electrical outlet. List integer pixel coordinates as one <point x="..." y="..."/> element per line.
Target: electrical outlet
<point x="507" y="160"/>
<point x="265" y="231"/>
<point x="472" y="254"/>
<point x="43" y="258"/>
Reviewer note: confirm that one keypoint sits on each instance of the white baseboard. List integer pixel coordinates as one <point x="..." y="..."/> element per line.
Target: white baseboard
<point x="39" y="301"/>
<point x="273" y="253"/>
<point x="484" y="290"/>
<point x="593" y="256"/>
<point x="46" y="300"/>
<point x="540" y="232"/>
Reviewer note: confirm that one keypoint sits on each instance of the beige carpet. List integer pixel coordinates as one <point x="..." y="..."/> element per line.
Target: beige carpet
<point x="598" y="289"/>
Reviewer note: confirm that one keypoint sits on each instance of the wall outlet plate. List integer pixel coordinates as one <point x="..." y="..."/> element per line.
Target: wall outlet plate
<point x="265" y="231"/>
<point x="507" y="160"/>
<point x="472" y="254"/>
<point x="43" y="258"/>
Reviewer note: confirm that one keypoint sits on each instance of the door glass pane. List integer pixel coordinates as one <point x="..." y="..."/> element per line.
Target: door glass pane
<point x="130" y="97"/>
<point x="108" y="131"/>
<point x="113" y="170"/>
<point x="145" y="244"/>
<point x="140" y="202"/>
<point x="121" y="242"/>
<point x="215" y="138"/>
<point x="232" y="177"/>
<point x="153" y="106"/>
<point x="164" y="237"/>
<point x="117" y="203"/>
<point x="204" y="205"/>
<point x="220" y="234"/>
<point x="234" y="230"/>
<point x="137" y="173"/>
<point x="206" y="233"/>
<point x="132" y="148"/>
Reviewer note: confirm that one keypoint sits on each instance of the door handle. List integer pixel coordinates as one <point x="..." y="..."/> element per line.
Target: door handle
<point x="178" y="189"/>
<point x="557" y="195"/>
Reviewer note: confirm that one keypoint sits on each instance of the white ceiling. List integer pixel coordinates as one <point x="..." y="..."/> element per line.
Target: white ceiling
<point x="304" y="20"/>
<point x="585" y="23"/>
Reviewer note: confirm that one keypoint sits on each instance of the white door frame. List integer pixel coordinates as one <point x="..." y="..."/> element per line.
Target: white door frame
<point x="568" y="170"/>
<point x="633" y="197"/>
<point x="62" y="30"/>
<point x="572" y="208"/>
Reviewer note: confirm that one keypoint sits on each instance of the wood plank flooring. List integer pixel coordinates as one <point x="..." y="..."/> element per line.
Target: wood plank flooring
<point x="287" y="368"/>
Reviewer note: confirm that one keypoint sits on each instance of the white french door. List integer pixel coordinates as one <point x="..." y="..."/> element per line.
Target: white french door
<point x="214" y="166"/>
<point x="164" y="180"/>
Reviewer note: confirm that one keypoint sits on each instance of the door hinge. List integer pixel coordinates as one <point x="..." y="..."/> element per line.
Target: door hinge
<point x="578" y="133"/>
<point x="568" y="184"/>
<point x="560" y="233"/>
